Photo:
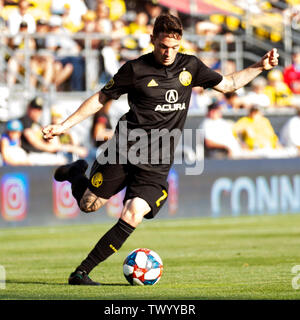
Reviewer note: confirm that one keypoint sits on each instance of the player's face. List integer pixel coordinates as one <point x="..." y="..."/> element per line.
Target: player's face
<point x="165" y="48"/>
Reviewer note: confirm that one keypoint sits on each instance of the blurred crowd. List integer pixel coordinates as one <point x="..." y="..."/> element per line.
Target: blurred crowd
<point x="251" y="136"/>
<point x="53" y="33"/>
<point x="60" y="41"/>
<point x="22" y="141"/>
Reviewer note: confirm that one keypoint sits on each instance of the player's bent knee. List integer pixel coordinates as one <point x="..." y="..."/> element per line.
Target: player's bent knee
<point x="139" y="205"/>
<point x="133" y="219"/>
<point x="134" y="211"/>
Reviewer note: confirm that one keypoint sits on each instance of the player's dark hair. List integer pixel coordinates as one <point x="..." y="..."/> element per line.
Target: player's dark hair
<point x="167" y="23"/>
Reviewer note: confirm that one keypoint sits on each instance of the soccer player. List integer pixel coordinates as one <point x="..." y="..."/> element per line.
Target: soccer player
<point x="159" y="86"/>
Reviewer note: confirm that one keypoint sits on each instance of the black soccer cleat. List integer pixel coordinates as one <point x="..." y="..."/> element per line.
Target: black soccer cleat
<point x="66" y="172"/>
<point x="82" y="279"/>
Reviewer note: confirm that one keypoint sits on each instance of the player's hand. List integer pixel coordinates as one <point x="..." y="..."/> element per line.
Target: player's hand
<point x="270" y="59"/>
<point x="52" y="130"/>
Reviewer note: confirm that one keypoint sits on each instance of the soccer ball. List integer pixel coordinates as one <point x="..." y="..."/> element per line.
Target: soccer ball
<point x="143" y="267"/>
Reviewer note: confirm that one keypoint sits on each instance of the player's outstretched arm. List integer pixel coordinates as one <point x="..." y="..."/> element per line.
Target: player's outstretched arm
<point x="239" y="79"/>
<point x="86" y="109"/>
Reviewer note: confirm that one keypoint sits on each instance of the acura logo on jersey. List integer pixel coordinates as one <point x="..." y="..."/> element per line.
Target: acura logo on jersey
<point x="171" y="96"/>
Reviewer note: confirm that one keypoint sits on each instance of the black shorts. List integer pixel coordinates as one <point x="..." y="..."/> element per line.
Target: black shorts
<point x="107" y="180"/>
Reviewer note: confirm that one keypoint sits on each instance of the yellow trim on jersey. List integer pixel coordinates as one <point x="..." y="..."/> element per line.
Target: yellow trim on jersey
<point x="163" y="197"/>
<point x="112" y="247"/>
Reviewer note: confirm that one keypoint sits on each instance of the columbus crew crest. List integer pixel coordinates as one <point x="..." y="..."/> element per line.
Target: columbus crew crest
<point x="185" y="78"/>
<point x="97" y="179"/>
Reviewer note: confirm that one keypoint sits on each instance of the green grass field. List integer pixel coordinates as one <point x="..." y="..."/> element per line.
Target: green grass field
<point x="225" y="258"/>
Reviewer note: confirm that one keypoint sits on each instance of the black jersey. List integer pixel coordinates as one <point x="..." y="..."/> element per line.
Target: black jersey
<point x="158" y="96"/>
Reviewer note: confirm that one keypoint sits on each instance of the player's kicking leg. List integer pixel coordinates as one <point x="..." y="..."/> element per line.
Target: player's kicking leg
<point x="75" y="174"/>
<point x="86" y="192"/>
<point x="69" y="171"/>
<point x="92" y="193"/>
<point x="132" y="215"/>
<point x="87" y="201"/>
